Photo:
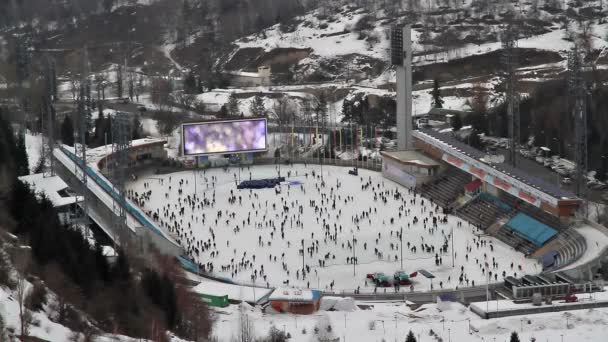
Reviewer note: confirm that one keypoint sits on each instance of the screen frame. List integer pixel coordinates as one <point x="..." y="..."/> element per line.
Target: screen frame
<point x="210" y="122"/>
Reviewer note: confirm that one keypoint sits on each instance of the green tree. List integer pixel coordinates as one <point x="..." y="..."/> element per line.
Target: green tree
<point x="119" y="81"/>
<point x="456" y="123"/>
<point x="437" y="100"/>
<point x="21" y="157"/>
<point x="410" y="337"/>
<point x="232" y="106"/>
<point x="136" y="129"/>
<point x="67" y="131"/>
<point x="320" y="108"/>
<point x="190" y="85"/>
<point x="257" y="107"/>
<point x="514" y="337"/>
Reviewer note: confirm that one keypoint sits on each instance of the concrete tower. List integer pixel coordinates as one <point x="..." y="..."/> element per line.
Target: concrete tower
<point x="401" y="58"/>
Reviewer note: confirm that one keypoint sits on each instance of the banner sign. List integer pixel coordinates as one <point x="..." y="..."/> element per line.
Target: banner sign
<point x="511" y="189"/>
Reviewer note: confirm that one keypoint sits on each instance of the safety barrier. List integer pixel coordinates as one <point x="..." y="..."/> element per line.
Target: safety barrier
<point x="115" y="196"/>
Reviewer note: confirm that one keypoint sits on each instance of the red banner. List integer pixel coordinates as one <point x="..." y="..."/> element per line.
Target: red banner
<point x="477" y="172"/>
<point x="455" y="161"/>
<point x="525" y="196"/>
<point x="501" y="184"/>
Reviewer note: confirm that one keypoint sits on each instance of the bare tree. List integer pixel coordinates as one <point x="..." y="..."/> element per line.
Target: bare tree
<point x="184" y="99"/>
<point x="22" y="265"/>
<point x="245" y="332"/>
<point x="67" y="293"/>
<point x="282" y="110"/>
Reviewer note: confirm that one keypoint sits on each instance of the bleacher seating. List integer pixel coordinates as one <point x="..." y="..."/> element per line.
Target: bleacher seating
<point x="508" y="236"/>
<point x="446" y="188"/>
<point x="534" y="212"/>
<point x="531" y="229"/>
<point x="483" y="210"/>
<point x="573" y="245"/>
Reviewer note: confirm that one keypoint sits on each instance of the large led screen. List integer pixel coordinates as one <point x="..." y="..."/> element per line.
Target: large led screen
<point x="232" y="136"/>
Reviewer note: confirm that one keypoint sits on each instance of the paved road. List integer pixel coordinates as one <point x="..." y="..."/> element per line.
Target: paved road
<point x="465" y="295"/>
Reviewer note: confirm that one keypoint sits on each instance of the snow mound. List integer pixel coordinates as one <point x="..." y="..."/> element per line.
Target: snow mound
<point x="337" y="304"/>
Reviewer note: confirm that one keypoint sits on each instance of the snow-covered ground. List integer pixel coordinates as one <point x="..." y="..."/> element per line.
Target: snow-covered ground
<point x="33" y="146"/>
<point x="386" y="321"/>
<point x="596" y="240"/>
<point x="232" y="239"/>
<point x="45" y="328"/>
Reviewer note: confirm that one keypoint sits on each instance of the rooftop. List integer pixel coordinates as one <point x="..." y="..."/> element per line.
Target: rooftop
<point x="50" y="186"/>
<point x="294" y="295"/>
<point x="522" y="176"/>
<point x="410" y="157"/>
<point x="234" y="292"/>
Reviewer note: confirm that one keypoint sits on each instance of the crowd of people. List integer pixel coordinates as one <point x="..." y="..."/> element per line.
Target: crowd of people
<point x="314" y="227"/>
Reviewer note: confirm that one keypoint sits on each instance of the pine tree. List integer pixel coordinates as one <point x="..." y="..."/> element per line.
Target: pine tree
<point x="190" y="86"/>
<point x="514" y="337"/>
<point x="67" y="131"/>
<point x="321" y="108"/>
<point x="232" y="106"/>
<point x="21" y="157"/>
<point x="119" y="82"/>
<point x="410" y="337"/>
<point x="121" y="269"/>
<point x="346" y="111"/>
<point x="137" y="128"/>
<point x="456" y="123"/>
<point x="100" y="129"/>
<point x="437" y="100"/>
<point x="257" y="107"/>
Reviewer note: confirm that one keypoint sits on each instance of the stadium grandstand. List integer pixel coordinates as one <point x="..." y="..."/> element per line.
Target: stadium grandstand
<point x="527" y="213"/>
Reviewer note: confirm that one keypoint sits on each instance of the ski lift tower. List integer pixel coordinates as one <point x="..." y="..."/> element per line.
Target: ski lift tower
<point x="401" y="59"/>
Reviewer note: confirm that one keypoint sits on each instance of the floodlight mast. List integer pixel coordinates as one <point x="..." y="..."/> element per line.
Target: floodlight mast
<point x="401" y="58"/>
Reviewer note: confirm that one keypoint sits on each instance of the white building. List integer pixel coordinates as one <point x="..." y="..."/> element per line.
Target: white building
<point x="57" y="191"/>
<point x="251" y="79"/>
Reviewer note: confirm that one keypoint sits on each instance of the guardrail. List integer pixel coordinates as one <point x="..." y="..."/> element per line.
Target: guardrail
<point x="115" y="196"/>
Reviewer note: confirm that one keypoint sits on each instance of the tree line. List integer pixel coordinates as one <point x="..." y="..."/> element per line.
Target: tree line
<point x="121" y="296"/>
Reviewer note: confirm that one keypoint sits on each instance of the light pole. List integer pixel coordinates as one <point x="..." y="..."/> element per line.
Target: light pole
<point x="401" y="240"/>
<point x="453" y="265"/>
<point x="354" y="258"/>
<point x="303" y="253"/>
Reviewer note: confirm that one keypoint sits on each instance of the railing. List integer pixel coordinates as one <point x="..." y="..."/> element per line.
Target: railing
<point x="115" y="196"/>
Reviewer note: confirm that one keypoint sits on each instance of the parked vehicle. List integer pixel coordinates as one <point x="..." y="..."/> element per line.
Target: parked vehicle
<point x="380" y="279"/>
<point x="404" y="278"/>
